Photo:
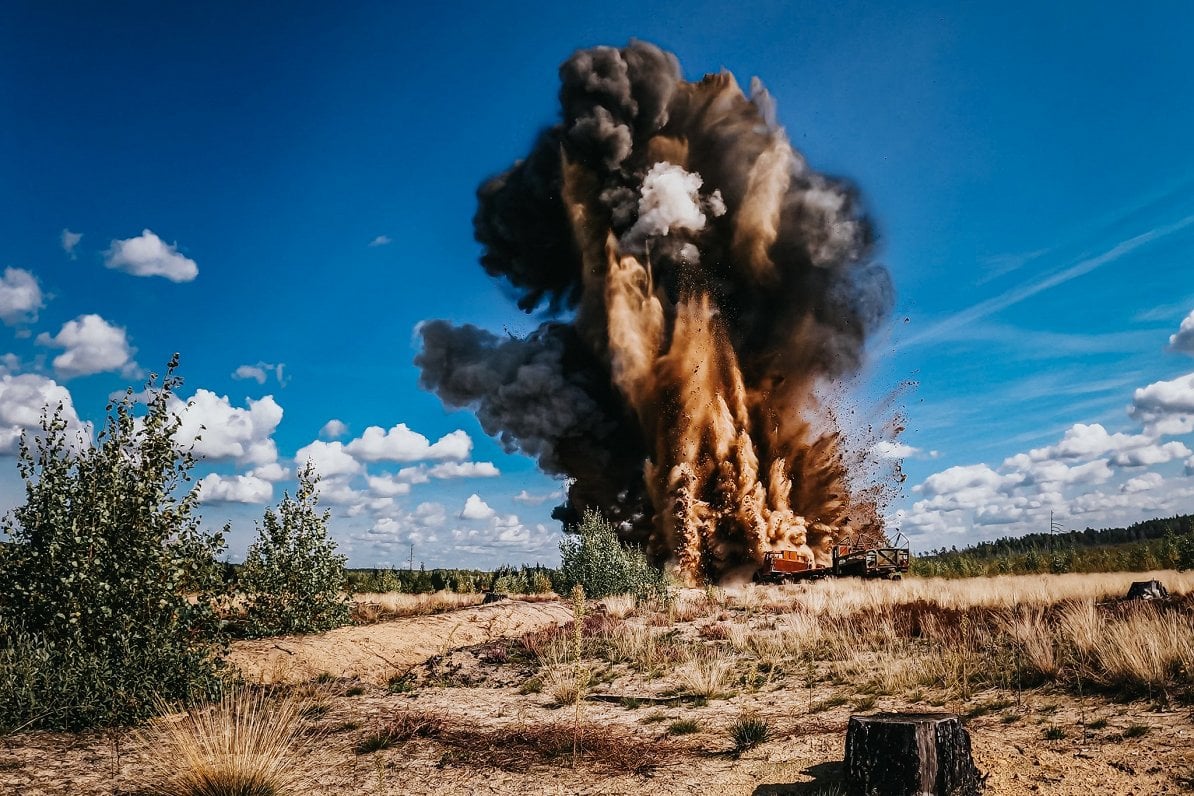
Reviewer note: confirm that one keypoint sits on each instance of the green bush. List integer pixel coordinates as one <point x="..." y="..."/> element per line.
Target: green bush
<point x="593" y="557"/>
<point x="292" y="577"/>
<point x="108" y="583"/>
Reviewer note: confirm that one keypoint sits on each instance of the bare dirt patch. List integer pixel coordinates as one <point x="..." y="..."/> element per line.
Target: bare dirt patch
<point x="376" y="652"/>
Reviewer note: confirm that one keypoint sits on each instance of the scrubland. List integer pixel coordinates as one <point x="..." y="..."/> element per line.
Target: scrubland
<point x="1065" y="688"/>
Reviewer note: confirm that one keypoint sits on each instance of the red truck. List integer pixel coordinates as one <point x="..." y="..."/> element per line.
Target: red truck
<point x="786" y="566"/>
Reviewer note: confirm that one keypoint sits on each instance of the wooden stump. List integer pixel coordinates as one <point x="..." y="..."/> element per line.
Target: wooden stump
<point x="910" y="754"/>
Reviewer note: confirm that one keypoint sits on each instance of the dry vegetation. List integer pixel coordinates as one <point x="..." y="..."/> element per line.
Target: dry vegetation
<point x="725" y="690"/>
<point x="370" y="607"/>
<point x="248" y="742"/>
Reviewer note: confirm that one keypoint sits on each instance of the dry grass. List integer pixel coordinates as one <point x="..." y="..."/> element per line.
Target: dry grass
<point x="565" y="684"/>
<point x="955" y="636"/>
<point x="246" y="744"/>
<point x="849" y="596"/>
<point x="705" y="674"/>
<point x="642" y="647"/>
<point x="1143" y="648"/>
<point x="619" y="606"/>
<point x="370" y="607"/>
<point x="605" y="749"/>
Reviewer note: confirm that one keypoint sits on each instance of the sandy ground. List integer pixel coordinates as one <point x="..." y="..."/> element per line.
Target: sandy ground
<point x="374" y="653"/>
<point x="457" y="679"/>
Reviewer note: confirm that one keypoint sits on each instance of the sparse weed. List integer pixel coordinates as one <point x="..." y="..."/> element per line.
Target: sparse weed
<point x="684" y="727"/>
<point x="1135" y="731"/>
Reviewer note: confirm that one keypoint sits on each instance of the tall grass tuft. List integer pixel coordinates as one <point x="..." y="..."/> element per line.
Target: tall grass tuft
<point x="245" y="744"/>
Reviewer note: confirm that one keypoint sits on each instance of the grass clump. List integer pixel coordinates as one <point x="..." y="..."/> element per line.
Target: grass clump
<point x="1136" y="731"/>
<point x="244" y="744"/>
<point x="705" y="676"/>
<point x="684" y="727"/>
<point x="748" y="731"/>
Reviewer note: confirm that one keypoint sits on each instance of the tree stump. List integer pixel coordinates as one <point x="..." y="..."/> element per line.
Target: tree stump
<point x="910" y="754"/>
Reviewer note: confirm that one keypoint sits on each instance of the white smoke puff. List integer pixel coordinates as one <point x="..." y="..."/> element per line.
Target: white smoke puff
<point x="716" y="205"/>
<point x="833" y="233"/>
<point x="670" y="199"/>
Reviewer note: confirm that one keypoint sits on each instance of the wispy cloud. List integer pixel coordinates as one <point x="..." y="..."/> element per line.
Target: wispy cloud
<point x="380" y="240"/>
<point x="947" y="326"/>
<point x="69" y="241"/>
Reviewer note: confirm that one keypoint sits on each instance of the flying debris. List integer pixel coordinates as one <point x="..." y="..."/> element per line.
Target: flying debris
<point x="707" y="289"/>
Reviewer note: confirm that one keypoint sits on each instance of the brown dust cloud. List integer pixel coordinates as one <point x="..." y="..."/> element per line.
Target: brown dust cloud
<point x="706" y="291"/>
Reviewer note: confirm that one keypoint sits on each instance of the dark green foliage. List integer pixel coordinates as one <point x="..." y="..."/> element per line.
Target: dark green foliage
<point x="1154" y="544"/>
<point x="593" y="557"/>
<point x="108" y="583"/>
<point x="748" y="731"/>
<point x="292" y="577"/>
<point x="526" y="579"/>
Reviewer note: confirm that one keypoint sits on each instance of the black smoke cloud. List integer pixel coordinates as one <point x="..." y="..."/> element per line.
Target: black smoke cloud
<point x="796" y="286"/>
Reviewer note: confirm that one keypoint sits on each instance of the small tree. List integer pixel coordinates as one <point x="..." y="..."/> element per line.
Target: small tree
<point x="107" y="583"/>
<point x="594" y="558"/>
<point x="292" y="576"/>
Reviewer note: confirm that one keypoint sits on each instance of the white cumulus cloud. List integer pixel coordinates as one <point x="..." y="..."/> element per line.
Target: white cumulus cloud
<point x="92" y="345"/>
<point x="888" y="450"/>
<point x="1165" y="407"/>
<point x="464" y="470"/>
<point x="388" y="485"/>
<point x="1142" y="483"/>
<point x="20" y="297"/>
<point x="22" y="399"/>
<point x="1183" y="340"/>
<point x="476" y="509"/>
<point x="333" y="429"/>
<point x="230" y="432"/>
<point x="330" y="459"/>
<point x="401" y="444"/>
<point x="149" y="255"/>
<point x="214" y="488"/>
<point x="272" y="472"/>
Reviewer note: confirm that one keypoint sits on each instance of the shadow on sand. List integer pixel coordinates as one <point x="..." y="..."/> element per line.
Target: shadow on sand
<point x="827" y="780"/>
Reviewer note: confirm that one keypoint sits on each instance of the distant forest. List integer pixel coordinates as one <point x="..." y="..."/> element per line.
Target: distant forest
<point x="1163" y="543"/>
<point x="1166" y="543"/>
<point x="526" y="579"/>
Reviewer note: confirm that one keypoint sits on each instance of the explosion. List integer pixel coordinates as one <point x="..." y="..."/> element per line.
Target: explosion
<point x="707" y="288"/>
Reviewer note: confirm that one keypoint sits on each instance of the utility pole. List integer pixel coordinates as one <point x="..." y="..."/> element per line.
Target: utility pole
<point x="411" y="566"/>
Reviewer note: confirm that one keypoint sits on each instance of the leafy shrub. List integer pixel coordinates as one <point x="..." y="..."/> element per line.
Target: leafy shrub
<point x="292" y="576"/>
<point x="593" y="557"/>
<point x="108" y="581"/>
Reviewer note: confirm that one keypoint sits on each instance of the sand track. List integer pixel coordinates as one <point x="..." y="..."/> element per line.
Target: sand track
<point x="376" y="652"/>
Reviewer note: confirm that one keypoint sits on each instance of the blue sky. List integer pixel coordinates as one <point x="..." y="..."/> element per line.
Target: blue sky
<point x="286" y="195"/>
